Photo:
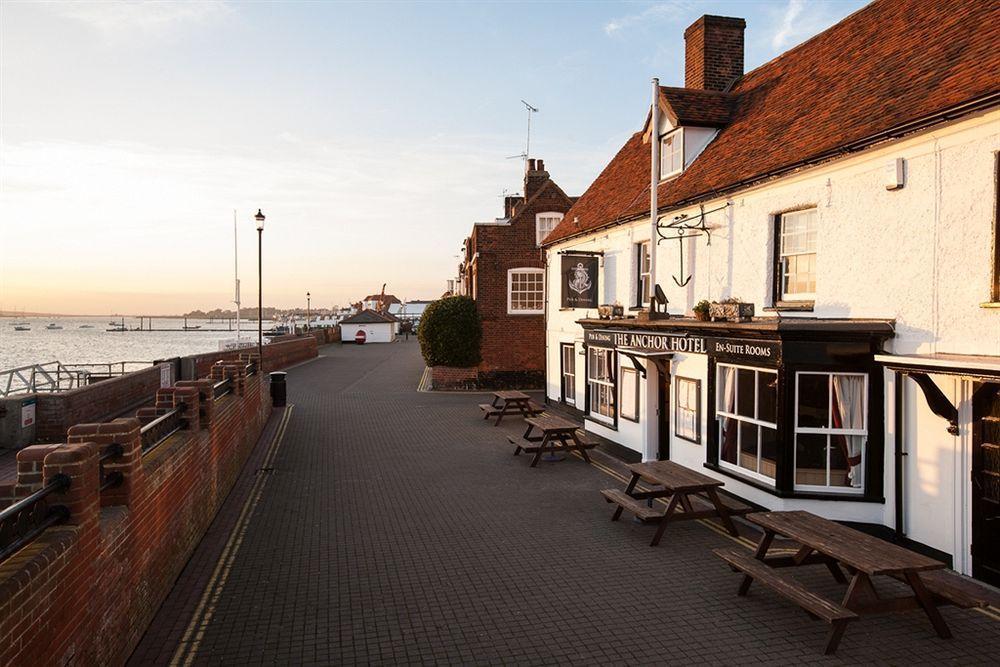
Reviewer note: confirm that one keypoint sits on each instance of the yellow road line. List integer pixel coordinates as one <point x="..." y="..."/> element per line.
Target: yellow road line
<point x="195" y="631"/>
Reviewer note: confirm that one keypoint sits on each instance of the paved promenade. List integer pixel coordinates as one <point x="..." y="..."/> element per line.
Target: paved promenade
<point x="376" y="524"/>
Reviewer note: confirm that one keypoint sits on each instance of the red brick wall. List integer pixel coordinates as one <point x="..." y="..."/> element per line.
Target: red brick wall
<point x="283" y="352"/>
<point x="92" y="403"/>
<point x="513" y="343"/>
<point x="450" y="377"/>
<point x="84" y="592"/>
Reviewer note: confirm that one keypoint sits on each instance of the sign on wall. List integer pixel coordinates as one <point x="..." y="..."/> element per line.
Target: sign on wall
<point x="164" y="375"/>
<point x="733" y="348"/>
<point x="579" y="281"/>
<point x="27" y="412"/>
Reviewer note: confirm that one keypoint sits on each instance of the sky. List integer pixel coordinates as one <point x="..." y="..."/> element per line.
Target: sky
<point x="372" y="136"/>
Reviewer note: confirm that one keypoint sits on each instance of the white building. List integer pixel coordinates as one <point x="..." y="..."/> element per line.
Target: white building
<point x="849" y="190"/>
<point x="378" y="327"/>
<point x="409" y="311"/>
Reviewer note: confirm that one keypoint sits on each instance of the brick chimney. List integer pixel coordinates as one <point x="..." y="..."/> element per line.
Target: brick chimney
<point x="535" y="177"/>
<point x="713" y="56"/>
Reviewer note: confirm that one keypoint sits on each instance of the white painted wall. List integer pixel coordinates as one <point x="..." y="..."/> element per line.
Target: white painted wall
<point x="381" y="332"/>
<point x="920" y="255"/>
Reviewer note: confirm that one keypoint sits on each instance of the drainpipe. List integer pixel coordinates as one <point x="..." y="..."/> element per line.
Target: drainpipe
<point x="899" y="379"/>
<point x="545" y="321"/>
<point x="654" y="181"/>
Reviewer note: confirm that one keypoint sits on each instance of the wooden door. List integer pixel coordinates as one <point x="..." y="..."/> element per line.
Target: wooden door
<point x="986" y="483"/>
<point x="663" y="409"/>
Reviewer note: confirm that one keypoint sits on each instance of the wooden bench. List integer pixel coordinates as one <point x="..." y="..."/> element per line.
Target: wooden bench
<point x="790" y="589"/>
<point x="529" y="448"/>
<point x="641" y="510"/>
<point x="952" y="589"/>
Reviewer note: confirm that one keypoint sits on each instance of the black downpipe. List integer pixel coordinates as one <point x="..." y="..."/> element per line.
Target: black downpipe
<point x="900" y="378"/>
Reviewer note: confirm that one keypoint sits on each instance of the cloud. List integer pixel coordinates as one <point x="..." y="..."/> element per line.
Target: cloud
<point x="119" y="17"/>
<point x="788" y="27"/>
<point x="661" y="11"/>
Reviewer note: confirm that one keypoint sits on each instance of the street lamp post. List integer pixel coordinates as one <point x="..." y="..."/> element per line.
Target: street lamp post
<point x="308" y="312"/>
<point x="260" y="293"/>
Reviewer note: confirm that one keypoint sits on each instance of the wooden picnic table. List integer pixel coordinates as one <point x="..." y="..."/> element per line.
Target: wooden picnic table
<point x="514" y="403"/>
<point x="684" y="487"/>
<point x="556" y="435"/>
<point x="826" y="542"/>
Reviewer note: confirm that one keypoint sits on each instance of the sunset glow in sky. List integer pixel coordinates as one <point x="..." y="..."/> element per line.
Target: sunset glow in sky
<point x="372" y="136"/>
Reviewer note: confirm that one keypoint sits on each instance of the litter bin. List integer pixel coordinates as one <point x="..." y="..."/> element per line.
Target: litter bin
<point x="279" y="391"/>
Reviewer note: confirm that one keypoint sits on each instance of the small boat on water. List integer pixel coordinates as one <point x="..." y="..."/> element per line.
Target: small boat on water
<point x="22" y="328"/>
<point x="53" y="326"/>
<point x="193" y="327"/>
<point x="86" y="326"/>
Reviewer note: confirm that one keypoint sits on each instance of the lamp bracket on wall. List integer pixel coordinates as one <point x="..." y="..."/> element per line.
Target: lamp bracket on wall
<point x="685" y="227"/>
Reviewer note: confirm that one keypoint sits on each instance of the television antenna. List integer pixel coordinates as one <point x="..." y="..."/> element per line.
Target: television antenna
<point x="527" y="143"/>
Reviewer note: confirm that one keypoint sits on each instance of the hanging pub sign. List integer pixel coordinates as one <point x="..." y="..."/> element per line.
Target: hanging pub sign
<point x="579" y="281"/>
<point x="647" y="341"/>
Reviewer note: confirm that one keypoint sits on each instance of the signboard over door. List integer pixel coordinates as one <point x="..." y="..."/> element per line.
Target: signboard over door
<point x="735" y="349"/>
<point x="579" y="281"/>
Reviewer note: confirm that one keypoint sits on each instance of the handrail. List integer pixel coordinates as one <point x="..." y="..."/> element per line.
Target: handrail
<point x="55" y="376"/>
<point x="221" y="388"/>
<point x="25" y="520"/>
<point x="162" y="428"/>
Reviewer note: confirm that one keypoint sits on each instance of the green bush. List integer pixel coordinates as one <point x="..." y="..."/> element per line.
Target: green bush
<point x="450" y="333"/>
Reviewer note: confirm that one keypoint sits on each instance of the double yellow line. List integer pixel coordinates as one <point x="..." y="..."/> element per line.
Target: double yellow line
<point x="195" y="631"/>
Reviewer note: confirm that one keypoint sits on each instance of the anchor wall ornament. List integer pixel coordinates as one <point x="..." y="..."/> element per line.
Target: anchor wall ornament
<point x="685" y="227"/>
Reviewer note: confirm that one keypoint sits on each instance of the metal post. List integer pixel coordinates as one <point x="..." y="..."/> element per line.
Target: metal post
<point x="308" y="311"/>
<point x="260" y="302"/>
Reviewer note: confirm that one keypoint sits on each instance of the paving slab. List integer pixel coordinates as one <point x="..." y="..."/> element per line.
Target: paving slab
<point x="395" y="526"/>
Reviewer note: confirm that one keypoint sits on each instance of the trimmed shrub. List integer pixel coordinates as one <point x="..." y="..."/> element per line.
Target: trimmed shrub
<point x="450" y="333"/>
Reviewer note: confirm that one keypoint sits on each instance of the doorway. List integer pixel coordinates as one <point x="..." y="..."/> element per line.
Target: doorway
<point x="986" y="482"/>
<point x="663" y="411"/>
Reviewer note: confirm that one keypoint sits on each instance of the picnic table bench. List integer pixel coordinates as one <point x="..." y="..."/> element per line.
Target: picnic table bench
<point x="686" y="489"/>
<point x="556" y="435"/>
<point x="865" y="557"/>
<point x="514" y="403"/>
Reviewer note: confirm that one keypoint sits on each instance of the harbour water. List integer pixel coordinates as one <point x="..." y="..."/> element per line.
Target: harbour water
<point x="83" y="340"/>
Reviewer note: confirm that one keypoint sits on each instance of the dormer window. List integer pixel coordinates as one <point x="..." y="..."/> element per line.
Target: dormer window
<point x="544" y="224"/>
<point x="672" y="153"/>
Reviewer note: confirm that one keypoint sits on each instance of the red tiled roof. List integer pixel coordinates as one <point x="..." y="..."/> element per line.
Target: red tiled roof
<point x="889" y="64"/>
<point x="701" y="108"/>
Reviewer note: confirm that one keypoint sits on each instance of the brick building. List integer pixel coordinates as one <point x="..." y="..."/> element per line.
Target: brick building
<point x="503" y="270"/>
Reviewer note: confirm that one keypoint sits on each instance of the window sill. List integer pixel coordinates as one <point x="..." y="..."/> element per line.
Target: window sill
<point x="990" y="304"/>
<point x="598" y="422"/>
<point x="791" y="306"/>
<point x="801" y="495"/>
<point x="520" y="313"/>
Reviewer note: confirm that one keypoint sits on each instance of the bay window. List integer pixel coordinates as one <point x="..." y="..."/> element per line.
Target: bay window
<point x="746" y="418"/>
<point x="601" y="383"/>
<point x="831" y="431"/>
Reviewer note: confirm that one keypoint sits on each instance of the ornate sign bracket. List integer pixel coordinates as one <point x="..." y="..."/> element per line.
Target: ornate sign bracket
<point x="686" y="227"/>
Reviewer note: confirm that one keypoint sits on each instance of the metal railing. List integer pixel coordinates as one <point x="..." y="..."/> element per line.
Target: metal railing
<point x="222" y="388"/>
<point x="55" y="376"/>
<point x="25" y="520"/>
<point x="161" y="428"/>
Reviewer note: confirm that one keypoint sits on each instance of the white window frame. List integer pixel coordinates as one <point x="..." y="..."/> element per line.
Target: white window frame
<point x="829" y="431"/>
<point x="568" y="351"/>
<point x="601" y="385"/>
<point x="629" y="408"/>
<point x="510" y="291"/>
<point x="694" y="411"/>
<point x="643" y="278"/>
<point x="539" y="237"/>
<point x="719" y="387"/>
<point x="782" y="264"/>
<point x="668" y="165"/>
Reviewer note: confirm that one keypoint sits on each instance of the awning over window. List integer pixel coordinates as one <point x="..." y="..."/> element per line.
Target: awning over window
<point x="977" y="367"/>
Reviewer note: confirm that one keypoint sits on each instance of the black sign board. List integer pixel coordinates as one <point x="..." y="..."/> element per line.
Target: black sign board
<point x="579" y="281"/>
<point x="648" y="341"/>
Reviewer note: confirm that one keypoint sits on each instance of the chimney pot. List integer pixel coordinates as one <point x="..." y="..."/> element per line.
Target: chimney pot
<point x="540" y="165"/>
<point x="713" y="52"/>
<point x="531" y="164"/>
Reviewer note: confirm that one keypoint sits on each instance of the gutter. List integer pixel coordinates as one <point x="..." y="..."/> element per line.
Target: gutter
<point x="965" y="108"/>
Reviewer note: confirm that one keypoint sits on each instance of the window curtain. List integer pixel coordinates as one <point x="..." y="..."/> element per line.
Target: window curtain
<point x="848" y="413"/>
<point x="728" y="423"/>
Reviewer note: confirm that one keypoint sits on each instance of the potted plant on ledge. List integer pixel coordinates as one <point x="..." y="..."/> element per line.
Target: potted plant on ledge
<point x="701" y="310"/>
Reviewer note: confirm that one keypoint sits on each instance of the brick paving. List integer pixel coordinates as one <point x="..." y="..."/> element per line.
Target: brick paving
<point x="396" y="527"/>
